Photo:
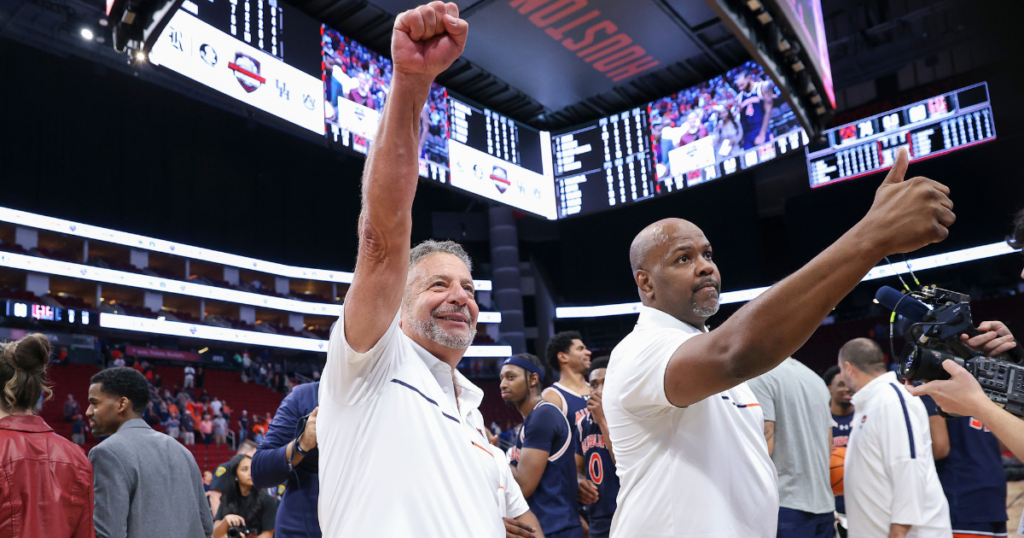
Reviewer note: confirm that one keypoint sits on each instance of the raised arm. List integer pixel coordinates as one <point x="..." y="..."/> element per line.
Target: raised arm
<point x="424" y="42"/>
<point x="905" y="216"/>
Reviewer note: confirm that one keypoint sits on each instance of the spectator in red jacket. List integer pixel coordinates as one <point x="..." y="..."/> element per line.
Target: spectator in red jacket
<point x="46" y="474"/>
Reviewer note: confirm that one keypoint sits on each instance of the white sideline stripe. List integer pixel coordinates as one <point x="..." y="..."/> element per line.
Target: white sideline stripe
<point x="742" y="296"/>
<point x="221" y="334"/>
<point x="166" y="285"/>
<point x="141" y="242"/>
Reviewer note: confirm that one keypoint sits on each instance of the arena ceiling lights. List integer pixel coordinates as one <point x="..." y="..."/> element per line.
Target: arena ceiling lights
<point x="140" y="242"/>
<point x="742" y="296"/>
<point x="221" y="334"/>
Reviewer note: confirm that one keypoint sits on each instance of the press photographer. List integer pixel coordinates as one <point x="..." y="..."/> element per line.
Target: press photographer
<point x="972" y="474"/>
<point x="244" y="510"/>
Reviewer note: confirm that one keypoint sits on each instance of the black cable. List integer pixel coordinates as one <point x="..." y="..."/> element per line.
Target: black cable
<point x="912" y="275"/>
<point x="905" y="286"/>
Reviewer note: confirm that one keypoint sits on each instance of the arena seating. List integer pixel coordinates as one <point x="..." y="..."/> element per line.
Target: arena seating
<point x="493" y="408"/>
<point x="225" y="384"/>
<point x="65" y="379"/>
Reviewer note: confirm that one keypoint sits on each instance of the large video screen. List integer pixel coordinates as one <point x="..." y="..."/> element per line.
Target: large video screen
<point x="493" y="156"/>
<point x="929" y="128"/>
<point x="356" y="83"/>
<point x="727" y="124"/>
<point x="246" y="50"/>
<point x="603" y="164"/>
<point x="807" y="18"/>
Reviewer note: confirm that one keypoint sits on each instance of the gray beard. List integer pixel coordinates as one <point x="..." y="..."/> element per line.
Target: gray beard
<point x="706" y="311"/>
<point x="431" y="331"/>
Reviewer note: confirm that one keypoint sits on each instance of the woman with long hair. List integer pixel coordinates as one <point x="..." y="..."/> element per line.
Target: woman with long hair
<point x="45" y="473"/>
<point x="251" y="510"/>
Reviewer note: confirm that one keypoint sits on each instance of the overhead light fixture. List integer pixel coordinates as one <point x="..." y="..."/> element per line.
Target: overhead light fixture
<point x="798" y="66"/>
<point x="764" y="18"/>
<point x="820" y="111"/>
<point x="87" y="34"/>
<point x="815" y="99"/>
<point x="103" y="22"/>
<point x="754" y="5"/>
<point x="204" y="350"/>
<point x="140" y="56"/>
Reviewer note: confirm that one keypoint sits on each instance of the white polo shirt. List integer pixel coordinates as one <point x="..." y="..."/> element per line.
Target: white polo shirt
<point x="511" y="502"/>
<point x="374" y="406"/>
<point x="889" y="475"/>
<point x="700" y="471"/>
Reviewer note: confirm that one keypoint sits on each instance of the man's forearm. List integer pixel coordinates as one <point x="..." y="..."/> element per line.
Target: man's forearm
<point x="767" y="117"/>
<point x="773" y="326"/>
<point x="1006" y="427"/>
<point x="392" y="167"/>
<point x="898" y="531"/>
<point x="385" y="223"/>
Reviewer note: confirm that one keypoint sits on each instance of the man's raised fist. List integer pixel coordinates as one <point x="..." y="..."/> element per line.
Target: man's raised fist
<point x="426" y="40"/>
<point x="911" y="214"/>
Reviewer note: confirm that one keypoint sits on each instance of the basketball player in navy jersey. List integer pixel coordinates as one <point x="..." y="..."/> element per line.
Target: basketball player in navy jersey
<point x="568" y="356"/>
<point x="842" y="418"/>
<point x="755" y="104"/>
<point x="543" y="461"/>
<point x="595" y="460"/>
<point x="972" y="476"/>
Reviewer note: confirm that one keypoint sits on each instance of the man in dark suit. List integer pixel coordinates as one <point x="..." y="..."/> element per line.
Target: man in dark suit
<point x="288" y="455"/>
<point x="147" y="484"/>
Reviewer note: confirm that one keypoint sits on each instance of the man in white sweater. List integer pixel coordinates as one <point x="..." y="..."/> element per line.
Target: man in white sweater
<point x="891" y="486"/>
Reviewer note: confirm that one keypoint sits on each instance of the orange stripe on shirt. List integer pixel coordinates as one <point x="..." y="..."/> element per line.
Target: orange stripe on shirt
<point x="482" y="448"/>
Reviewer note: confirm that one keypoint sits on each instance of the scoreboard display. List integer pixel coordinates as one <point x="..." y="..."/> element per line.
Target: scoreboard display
<point x="603" y="164"/>
<point x="929" y="128"/>
<point x="493" y="156"/>
<point x="69" y="317"/>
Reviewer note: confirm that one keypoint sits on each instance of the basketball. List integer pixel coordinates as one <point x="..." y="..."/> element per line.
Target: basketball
<point x="836" y="469"/>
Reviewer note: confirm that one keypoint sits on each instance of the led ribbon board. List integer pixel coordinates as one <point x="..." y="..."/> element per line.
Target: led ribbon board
<point x="222" y="334"/>
<point x="141" y="242"/>
<point x="135" y="280"/>
<point x="930" y="128"/>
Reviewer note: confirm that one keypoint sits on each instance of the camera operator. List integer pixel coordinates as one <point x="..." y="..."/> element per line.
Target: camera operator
<point x="244" y="508"/>
<point x="974" y="454"/>
<point x="289" y="455"/>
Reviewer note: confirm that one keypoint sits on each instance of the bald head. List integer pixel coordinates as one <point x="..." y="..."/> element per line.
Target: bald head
<point x="674" y="272"/>
<point x="655" y="238"/>
<point x="865" y="354"/>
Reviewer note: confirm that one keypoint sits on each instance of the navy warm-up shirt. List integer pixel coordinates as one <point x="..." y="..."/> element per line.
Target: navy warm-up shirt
<point x="841" y="427"/>
<point x="972" y="475"/>
<point x="600" y="470"/>
<point x="555" y="501"/>
<point x="296" y="516"/>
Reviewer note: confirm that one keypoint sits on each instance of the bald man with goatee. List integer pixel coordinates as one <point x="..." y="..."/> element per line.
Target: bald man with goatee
<point x="688" y="433"/>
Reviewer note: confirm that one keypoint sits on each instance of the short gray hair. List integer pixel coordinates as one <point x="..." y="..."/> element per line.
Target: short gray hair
<point x="430" y="246"/>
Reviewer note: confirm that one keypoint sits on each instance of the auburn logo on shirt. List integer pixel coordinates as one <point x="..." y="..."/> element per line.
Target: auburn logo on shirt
<point x="977" y="425"/>
<point x="580" y="415"/>
<point x="593" y="440"/>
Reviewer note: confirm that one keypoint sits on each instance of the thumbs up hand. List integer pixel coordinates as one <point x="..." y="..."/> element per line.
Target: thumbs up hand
<point x="908" y="214"/>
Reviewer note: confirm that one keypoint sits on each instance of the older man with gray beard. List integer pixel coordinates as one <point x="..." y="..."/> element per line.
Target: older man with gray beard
<point x="390" y="378"/>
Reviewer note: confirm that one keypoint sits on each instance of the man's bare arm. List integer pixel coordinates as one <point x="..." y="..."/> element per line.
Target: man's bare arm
<point x="532" y="462"/>
<point x="425" y="41"/>
<point x="769" y="436"/>
<point x="905" y="216"/>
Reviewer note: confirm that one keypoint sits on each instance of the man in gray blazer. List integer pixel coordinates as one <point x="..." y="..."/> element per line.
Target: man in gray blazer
<point x="147" y="484"/>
